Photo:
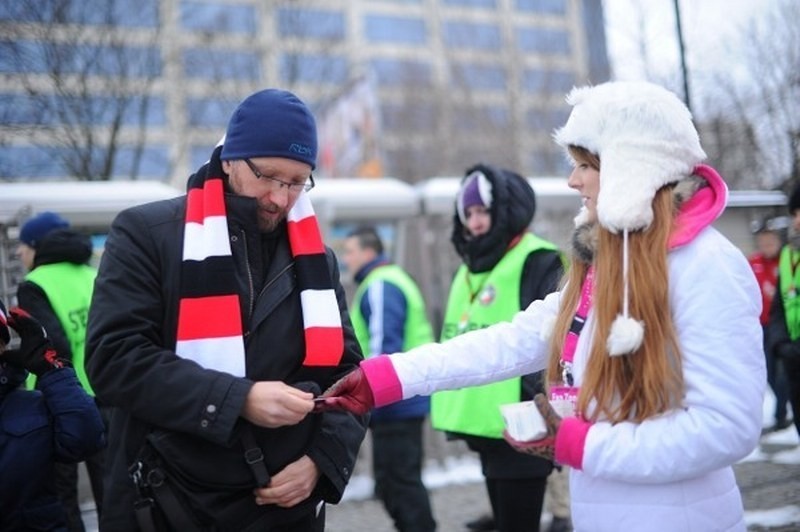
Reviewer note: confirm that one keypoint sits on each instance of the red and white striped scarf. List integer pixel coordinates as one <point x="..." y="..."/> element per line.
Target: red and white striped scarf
<point x="209" y="315"/>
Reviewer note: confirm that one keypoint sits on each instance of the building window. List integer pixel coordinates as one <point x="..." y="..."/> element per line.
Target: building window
<point x="554" y="7"/>
<point x="389" y="29"/>
<point x="399" y="72"/>
<point x="311" y="24"/>
<point x="88" y="59"/>
<point x="313" y="68"/>
<point x="123" y="13"/>
<point x="546" y="120"/>
<point x="470" y="35"/>
<point x="478" y="77"/>
<point x="42" y="110"/>
<point x="218" y="18"/>
<point x="199" y="155"/>
<point x="548" y="81"/>
<point x="48" y="161"/>
<point x="421" y="116"/>
<point x="209" y="112"/>
<point x="472" y="3"/>
<point x="480" y="118"/>
<point x="220" y="64"/>
<point x="153" y="162"/>
<point x="541" y="40"/>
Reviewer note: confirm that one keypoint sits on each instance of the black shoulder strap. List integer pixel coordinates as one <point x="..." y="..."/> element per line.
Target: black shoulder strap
<point x="254" y="457"/>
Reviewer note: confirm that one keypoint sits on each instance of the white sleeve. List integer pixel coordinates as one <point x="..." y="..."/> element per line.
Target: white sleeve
<point x="498" y="352"/>
<point x="716" y="306"/>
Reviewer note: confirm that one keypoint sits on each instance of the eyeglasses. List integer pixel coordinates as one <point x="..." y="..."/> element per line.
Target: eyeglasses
<point x="294" y="188"/>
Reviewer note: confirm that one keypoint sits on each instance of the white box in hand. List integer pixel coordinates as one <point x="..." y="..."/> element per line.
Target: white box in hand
<point x="524" y="422"/>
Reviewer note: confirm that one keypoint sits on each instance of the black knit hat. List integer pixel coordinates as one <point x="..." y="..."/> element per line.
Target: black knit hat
<point x="794" y="199"/>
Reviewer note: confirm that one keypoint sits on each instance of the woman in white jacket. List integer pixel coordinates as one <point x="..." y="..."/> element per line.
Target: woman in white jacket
<point x="653" y="344"/>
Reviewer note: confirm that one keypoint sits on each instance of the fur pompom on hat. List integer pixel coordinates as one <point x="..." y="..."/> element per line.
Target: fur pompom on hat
<point x="475" y="190"/>
<point x="271" y="123"/>
<point x="645" y="139"/>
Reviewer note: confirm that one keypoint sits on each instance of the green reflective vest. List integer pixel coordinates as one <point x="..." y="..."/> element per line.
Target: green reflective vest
<point x="478" y="300"/>
<point x="416" y="330"/>
<point x="790" y="290"/>
<point x="69" y="290"/>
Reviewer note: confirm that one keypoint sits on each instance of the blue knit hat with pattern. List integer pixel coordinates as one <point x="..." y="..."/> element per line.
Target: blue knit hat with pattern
<point x="38" y="227"/>
<point x="271" y="123"/>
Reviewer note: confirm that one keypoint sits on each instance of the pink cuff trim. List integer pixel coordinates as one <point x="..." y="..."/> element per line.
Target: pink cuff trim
<point x="382" y="379"/>
<point x="570" y="442"/>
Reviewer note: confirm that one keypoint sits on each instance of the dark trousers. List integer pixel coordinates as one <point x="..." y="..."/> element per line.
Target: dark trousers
<point x="517" y="502"/>
<point x="792" y="366"/>
<point x="776" y="378"/>
<point x="66" y="482"/>
<point x="397" y="467"/>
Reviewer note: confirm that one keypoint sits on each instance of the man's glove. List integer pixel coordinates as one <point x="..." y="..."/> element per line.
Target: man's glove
<point x="35" y="352"/>
<point x="545" y="447"/>
<point x="351" y="393"/>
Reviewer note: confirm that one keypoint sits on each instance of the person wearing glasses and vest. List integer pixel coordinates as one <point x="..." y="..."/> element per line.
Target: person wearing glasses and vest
<point x="57" y="291"/>
<point x="216" y="318"/>
<point x="388" y="314"/>
<point x="505" y="267"/>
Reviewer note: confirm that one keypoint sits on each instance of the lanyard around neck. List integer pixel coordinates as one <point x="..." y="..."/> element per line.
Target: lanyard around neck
<point x="578" y="321"/>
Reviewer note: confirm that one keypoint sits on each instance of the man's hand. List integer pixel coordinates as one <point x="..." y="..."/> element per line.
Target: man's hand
<point x="291" y="486"/>
<point x="351" y="393"/>
<point x="35" y="352"/>
<point x="274" y="404"/>
<point x="545" y="447"/>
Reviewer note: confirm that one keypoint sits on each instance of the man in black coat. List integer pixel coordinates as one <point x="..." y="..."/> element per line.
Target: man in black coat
<point x="216" y="318"/>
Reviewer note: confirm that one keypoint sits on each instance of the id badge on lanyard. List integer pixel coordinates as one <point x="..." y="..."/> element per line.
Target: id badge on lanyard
<point x="564" y="395"/>
<point x="564" y="400"/>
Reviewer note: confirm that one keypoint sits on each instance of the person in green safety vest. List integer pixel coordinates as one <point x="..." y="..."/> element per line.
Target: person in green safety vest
<point x="388" y="315"/>
<point x="505" y="267"/>
<point x="57" y="291"/>
<point x="783" y="330"/>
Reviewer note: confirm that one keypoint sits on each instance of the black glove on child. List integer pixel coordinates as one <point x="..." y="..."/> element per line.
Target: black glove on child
<point x="35" y="352"/>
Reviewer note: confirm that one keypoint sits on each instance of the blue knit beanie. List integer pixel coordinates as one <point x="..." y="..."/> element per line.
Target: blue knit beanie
<point x="38" y="227"/>
<point x="271" y="123"/>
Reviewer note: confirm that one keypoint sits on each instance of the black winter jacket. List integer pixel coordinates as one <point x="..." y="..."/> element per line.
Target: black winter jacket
<point x="132" y="365"/>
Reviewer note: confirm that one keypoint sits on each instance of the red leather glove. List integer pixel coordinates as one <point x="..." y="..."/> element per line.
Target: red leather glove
<point x="351" y="393"/>
<point x="35" y="352"/>
<point x="545" y="447"/>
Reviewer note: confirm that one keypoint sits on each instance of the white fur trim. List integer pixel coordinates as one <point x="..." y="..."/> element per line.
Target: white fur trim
<point x="645" y="139"/>
<point x="625" y="337"/>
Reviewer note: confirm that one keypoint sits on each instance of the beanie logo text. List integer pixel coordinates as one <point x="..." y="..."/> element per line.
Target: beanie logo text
<point x="299" y="149"/>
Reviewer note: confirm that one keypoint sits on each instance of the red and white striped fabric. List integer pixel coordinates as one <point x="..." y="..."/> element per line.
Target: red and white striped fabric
<point x="210" y="330"/>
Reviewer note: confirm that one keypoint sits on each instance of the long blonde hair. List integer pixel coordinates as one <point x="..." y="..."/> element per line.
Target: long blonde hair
<point x="648" y="381"/>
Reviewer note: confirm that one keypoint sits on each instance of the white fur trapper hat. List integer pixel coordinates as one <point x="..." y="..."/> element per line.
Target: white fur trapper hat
<point x="645" y="139"/>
